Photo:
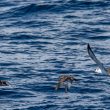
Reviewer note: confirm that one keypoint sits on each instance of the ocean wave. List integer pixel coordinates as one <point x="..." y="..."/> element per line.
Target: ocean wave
<point x="30" y="9"/>
<point x="41" y="40"/>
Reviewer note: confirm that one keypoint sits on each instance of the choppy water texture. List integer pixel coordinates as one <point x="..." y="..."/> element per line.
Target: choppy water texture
<point x="42" y="39"/>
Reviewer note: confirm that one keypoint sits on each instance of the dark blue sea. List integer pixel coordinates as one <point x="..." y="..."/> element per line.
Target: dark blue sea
<point x="43" y="39"/>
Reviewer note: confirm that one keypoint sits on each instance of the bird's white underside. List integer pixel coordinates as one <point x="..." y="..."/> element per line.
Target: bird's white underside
<point x="98" y="70"/>
<point x="68" y="84"/>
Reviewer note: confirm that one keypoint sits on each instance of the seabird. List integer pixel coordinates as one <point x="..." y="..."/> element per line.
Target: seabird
<point x="65" y="81"/>
<point x="3" y="83"/>
<point x="101" y="68"/>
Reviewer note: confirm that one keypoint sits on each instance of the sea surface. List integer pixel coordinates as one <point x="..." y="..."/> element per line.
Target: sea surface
<point x="43" y="39"/>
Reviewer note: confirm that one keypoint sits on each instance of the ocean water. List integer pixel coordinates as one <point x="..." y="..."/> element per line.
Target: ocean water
<point x="43" y="39"/>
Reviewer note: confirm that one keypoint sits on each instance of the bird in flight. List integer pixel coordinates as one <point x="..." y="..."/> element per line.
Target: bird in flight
<point x="65" y="81"/>
<point x="100" y="68"/>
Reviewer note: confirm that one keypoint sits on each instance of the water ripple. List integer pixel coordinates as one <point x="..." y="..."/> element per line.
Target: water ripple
<point x="41" y="40"/>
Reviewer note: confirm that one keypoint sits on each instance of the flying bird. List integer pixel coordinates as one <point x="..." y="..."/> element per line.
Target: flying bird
<point x="65" y="81"/>
<point x="100" y="68"/>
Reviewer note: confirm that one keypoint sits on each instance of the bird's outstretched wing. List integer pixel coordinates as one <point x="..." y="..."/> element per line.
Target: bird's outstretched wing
<point x="93" y="57"/>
